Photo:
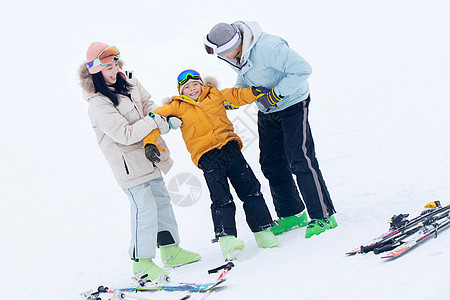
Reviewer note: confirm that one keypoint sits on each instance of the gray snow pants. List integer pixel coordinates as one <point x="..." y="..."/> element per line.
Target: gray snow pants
<point x="152" y="219"/>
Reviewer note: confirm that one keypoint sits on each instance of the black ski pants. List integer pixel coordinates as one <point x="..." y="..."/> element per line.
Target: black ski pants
<point x="287" y="148"/>
<point x="218" y="166"/>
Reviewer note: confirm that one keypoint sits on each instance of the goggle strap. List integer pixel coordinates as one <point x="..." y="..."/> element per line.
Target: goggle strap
<point x="97" y="61"/>
<point x="224" y="47"/>
<point x="209" y="44"/>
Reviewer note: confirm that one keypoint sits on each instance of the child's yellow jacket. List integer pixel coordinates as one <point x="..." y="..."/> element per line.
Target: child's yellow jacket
<point x="205" y="122"/>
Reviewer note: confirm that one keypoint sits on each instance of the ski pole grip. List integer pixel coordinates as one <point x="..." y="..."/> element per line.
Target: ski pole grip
<point x="228" y="266"/>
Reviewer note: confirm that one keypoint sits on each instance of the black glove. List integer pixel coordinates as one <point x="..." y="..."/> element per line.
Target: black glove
<point x="152" y="153"/>
<point x="266" y="97"/>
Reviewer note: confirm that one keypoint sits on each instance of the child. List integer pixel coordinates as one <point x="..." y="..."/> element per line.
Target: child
<point x="215" y="148"/>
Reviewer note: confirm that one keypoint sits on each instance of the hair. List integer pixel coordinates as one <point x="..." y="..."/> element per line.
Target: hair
<point x="120" y="87"/>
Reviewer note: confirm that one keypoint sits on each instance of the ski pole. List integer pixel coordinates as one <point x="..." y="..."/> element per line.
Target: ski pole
<point x="226" y="267"/>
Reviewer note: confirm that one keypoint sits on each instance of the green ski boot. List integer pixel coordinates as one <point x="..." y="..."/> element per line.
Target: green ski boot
<point x="285" y="224"/>
<point x="147" y="266"/>
<point x="317" y="226"/>
<point x="231" y="246"/>
<point x="174" y="256"/>
<point x="266" y="239"/>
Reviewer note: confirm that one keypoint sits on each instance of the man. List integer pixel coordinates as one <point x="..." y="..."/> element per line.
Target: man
<point x="279" y="77"/>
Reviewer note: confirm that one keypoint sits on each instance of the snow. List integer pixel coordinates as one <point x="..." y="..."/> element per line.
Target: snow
<point x="378" y="114"/>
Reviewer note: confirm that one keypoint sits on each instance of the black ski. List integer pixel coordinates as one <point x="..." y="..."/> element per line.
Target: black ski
<point x="400" y="228"/>
<point x="425" y="232"/>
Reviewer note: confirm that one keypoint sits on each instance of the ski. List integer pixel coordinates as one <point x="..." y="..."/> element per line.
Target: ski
<point x="400" y="227"/>
<point x="422" y="226"/>
<point x="187" y="287"/>
<point x="425" y="232"/>
<point x="115" y="295"/>
<point x="161" y="284"/>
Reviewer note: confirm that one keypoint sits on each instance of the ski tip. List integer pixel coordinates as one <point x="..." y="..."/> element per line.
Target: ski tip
<point x="396" y="252"/>
<point x="354" y="251"/>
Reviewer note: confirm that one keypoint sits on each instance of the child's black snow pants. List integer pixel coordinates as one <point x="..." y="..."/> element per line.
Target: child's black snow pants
<point x="218" y="166"/>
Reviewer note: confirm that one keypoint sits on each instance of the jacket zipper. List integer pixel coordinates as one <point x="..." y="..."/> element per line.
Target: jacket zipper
<point x="213" y="136"/>
<point x="135" y="107"/>
<point x="229" y="62"/>
<point x="197" y="104"/>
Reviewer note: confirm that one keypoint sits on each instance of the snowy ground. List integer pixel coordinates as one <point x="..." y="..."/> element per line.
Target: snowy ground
<point x="380" y="90"/>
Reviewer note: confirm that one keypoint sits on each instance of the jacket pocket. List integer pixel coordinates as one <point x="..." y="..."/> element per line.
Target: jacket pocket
<point x="125" y="165"/>
<point x="226" y="121"/>
<point x="188" y="133"/>
<point x="136" y="164"/>
<point x="125" y="105"/>
<point x="128" y="110"/>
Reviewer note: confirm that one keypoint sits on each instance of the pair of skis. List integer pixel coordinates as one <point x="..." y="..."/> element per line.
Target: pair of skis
<point x="405" y="234"/>
<point x="161" y="285"/>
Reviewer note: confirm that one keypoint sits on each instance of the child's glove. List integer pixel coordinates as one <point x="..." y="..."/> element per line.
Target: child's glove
<point x="174" y="122"/>
<point x="266" y="97"/>
<point x="161" y="123"/>
<point x="152" y="153"/>
<point x="258" y="90"/>
<point x="229" y="106"/>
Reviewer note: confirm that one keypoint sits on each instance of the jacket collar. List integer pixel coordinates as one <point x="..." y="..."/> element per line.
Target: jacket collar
<point x="203" y="95"/>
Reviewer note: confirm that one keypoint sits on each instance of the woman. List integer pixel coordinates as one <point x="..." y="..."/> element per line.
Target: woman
<point x="119" y="108"/>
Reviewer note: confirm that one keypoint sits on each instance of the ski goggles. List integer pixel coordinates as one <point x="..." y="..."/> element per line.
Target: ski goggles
<point x="105" y="57"/>
<point x="186" y="75"/>
<point x="213" y="49"/>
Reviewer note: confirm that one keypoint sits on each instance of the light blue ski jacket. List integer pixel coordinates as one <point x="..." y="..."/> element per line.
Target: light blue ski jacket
<point x="268" y="61"/>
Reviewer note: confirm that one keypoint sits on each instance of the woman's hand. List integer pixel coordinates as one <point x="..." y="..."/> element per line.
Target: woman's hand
<point x="161" y="123"/>
<point x="174" y="122"/>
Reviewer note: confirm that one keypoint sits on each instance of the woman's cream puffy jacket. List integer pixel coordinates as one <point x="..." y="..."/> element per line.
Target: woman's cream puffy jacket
<point x="121" y="129"/>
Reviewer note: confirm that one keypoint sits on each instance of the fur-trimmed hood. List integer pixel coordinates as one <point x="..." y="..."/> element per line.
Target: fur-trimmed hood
<point x="86" y="79"/>
<point x="211" y="81"/>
